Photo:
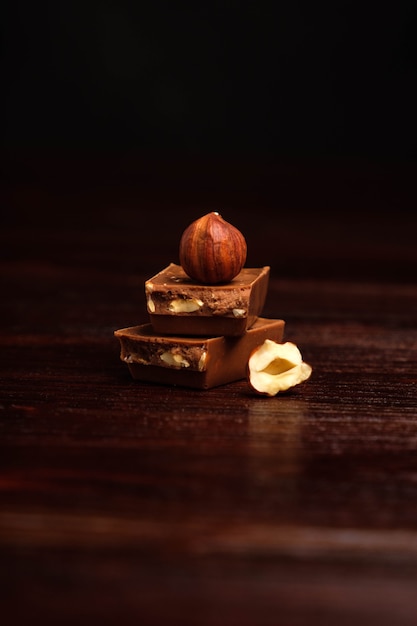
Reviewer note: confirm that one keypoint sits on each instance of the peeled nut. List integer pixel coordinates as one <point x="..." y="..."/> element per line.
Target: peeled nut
<point x="174" y="360"/>
<point x="211" y="250"/>
<point x="275" y="367"/>
<point x="185" y="305"/>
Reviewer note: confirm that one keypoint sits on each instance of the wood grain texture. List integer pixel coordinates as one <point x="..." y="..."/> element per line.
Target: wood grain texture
<point x="131" y="503"/>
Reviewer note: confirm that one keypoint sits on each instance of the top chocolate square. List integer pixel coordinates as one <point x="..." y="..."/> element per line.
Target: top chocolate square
<point x="177" y="305"/>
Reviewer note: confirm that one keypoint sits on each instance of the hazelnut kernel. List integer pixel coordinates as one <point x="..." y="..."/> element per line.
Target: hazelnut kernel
<point x="185" y="305"/>
<point x="174" y="360"/>
<point x="275" y="367"/>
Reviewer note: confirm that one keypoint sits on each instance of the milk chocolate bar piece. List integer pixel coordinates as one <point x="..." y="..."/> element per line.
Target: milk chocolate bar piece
<point x="198" y="362"/>
<point x="177" y="305"/>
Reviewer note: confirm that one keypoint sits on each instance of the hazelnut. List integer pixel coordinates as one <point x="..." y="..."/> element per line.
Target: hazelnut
<point x="211" y="250"/>
<point x="274" y="367"/>
<point x="174" y="360"/>
<point x="185" y="305"/>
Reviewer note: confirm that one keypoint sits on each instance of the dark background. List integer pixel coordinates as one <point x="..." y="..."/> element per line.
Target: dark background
<point x="123" y="503"/>
<point x="287" y="79"/>
<point x="126" y="120"/>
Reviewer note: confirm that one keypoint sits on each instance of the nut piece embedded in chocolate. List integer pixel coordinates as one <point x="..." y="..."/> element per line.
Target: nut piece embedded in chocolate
<point x="178" y="305"/>
<point x="196" y="362"/>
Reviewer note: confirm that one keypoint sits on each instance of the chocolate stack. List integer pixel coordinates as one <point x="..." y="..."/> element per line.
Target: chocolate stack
<point x="204" y="314"/>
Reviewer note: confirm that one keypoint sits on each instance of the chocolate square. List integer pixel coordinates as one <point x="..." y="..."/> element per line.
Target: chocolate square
<point x="177" y="305"/>
<point x="197" y="362"/>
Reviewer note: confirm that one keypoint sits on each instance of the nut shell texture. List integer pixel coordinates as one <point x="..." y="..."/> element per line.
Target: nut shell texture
<point x="212" y="251"/>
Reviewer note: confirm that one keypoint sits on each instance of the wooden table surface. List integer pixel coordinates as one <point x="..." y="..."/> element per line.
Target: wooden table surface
<point x="129" y="503"/>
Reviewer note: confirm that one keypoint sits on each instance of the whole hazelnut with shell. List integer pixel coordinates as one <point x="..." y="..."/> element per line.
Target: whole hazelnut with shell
<point x="211" y="250"/>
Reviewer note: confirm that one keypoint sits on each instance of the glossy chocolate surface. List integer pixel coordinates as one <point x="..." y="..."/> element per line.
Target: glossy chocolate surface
<point x="178" y="305"/>
<point x="198" y="362"/>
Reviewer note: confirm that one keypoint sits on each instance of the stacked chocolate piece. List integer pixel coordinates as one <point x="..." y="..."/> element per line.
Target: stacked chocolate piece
<point x="204" y="314"/>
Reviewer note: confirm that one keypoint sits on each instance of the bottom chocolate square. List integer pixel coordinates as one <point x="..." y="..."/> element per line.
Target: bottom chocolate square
<point x="197" y="362"/>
